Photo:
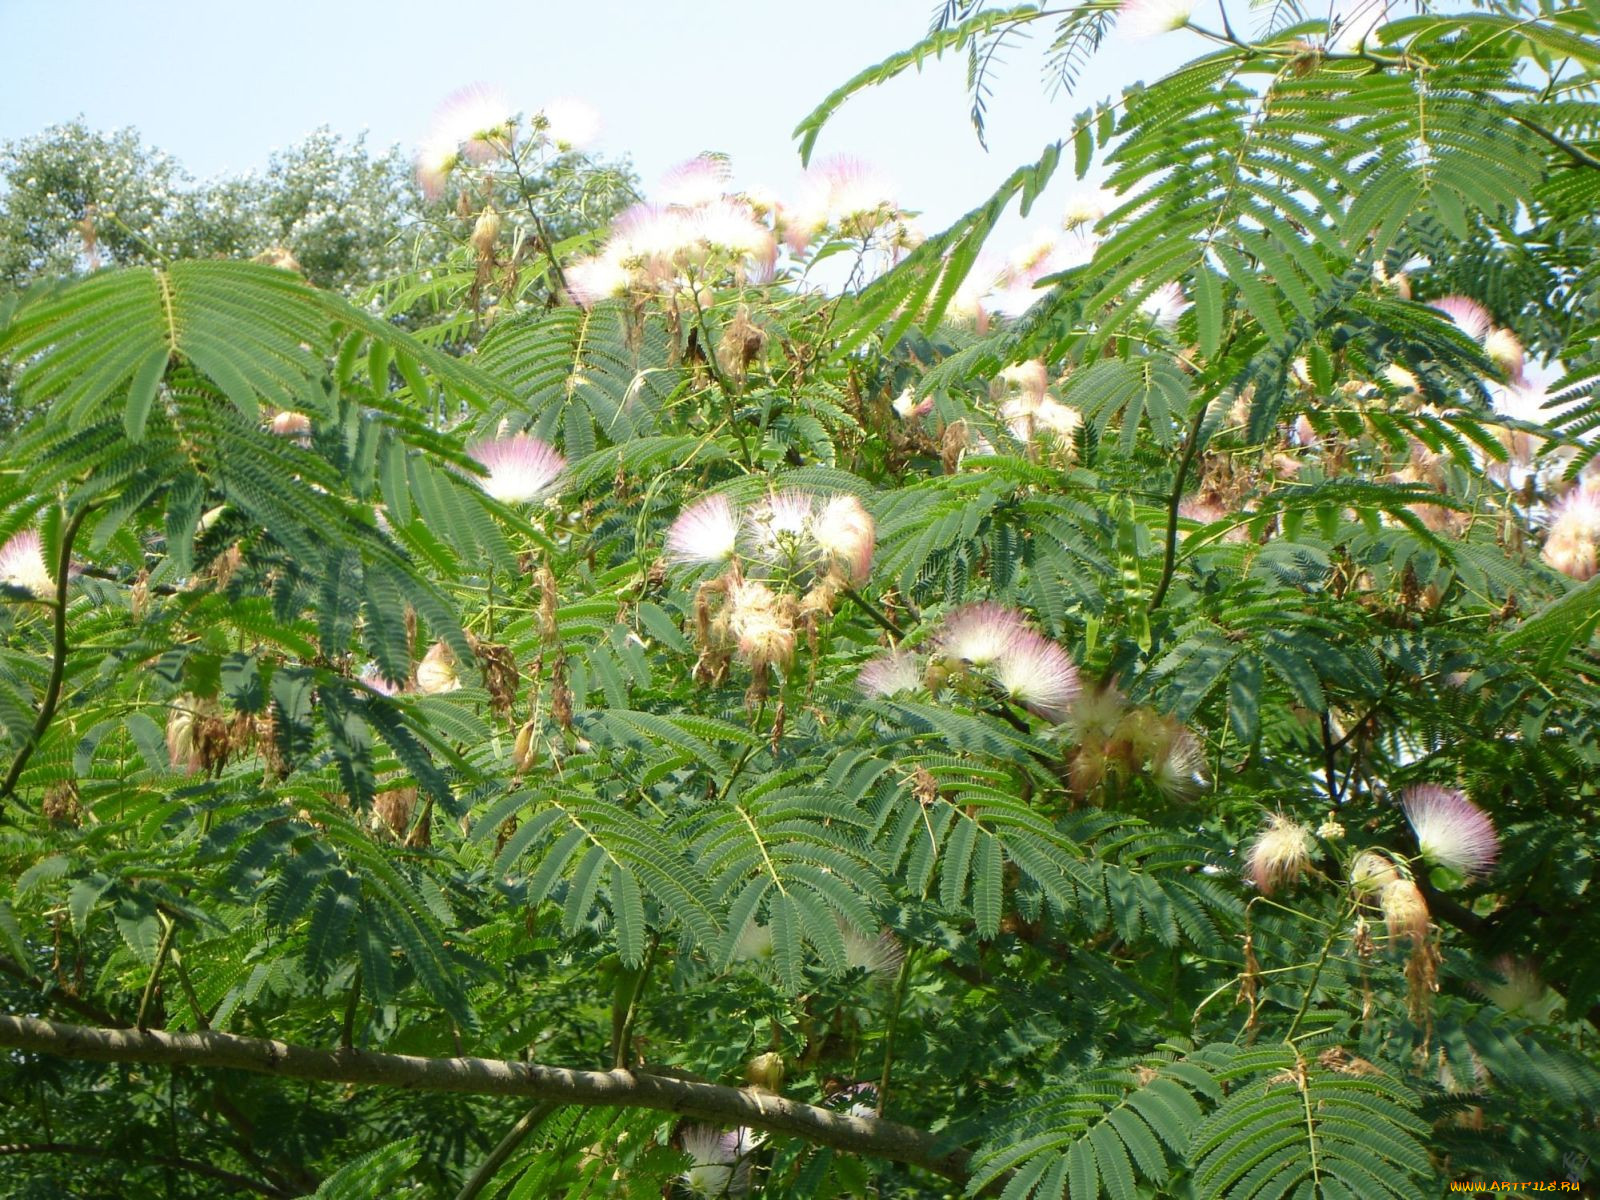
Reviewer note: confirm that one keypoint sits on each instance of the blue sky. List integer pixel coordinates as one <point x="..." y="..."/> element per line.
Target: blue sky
<point x="221" y="85"/>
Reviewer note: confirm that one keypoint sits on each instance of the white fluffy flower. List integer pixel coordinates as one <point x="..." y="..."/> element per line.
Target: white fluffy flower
<point x="1572" y="545"/>
<point x="840" y="193"/>
<point x="1280" y="854"/>
<point x="890" y="674"/>
<point x="1165" y="305"/>
<point x="699" y="181"/>
<point x="599" y="277"/>
<point x="1148" y="18"/>
<point x="22" y="565"/>
<point x="720" y="1161"/>
<point x="569" y="123"/>
<point x="476" y="118"/>
<point x="521" y="468"/>
<point x="707" y="531"/>
<point x="436" y="673"/>
<point x="845" y="533"/>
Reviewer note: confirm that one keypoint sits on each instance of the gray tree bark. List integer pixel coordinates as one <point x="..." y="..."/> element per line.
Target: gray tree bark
<point x="713" y="1103"/>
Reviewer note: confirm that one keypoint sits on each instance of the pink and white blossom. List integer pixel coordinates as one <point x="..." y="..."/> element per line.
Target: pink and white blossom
<point x="844" y="531"/>
<point x="1037" y="673"/>
<point x="1572" y="545"/>
<point x="1504" y="349"/>
<point x="890" y="674"/>
<point x="521" y="468"/>
<point x="699" y="181"/>
<point x="704" y="533"/>
<point x="720" y="1161"/>
<point x="840" y="193"/>
<point x="598" y="277"/>
<point x="1453" y="831"/>
<point x="978" y="634"/>
<point x="1165" y="305"/>
<point x="570" y="123"/>
<point x="1469" y="316"/>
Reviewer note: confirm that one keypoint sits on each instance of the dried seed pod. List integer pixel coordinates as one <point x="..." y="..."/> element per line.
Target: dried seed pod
<point x="392" y="810"/>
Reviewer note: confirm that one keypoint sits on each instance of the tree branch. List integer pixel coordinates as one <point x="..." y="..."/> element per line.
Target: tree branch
<point x="726" y="1106"/>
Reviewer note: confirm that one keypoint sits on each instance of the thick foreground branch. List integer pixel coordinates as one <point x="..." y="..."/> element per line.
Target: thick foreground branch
<point x="724" y="1106"/>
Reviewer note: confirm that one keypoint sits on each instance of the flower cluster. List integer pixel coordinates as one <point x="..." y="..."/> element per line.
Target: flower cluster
<point x="1115" y="742"/>
<point x="989" y="646"/>
<point x="479" y="124"/>
<point x="791" y="536"/>
<point x="1028" y="409"/>
<point x="784" y="559"/>
<point x="699" y="228"/>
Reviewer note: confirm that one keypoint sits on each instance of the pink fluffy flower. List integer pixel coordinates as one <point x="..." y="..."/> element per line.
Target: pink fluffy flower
<point x="1572" y="545"/>
<point x="1165" y="305"/>
<point x="1469" y="316"/>
<point x="844" y="531"/>
<point x="1452" y="831"/>
<point x="705" y="532"/>
<point x="841" y="193"/>
<point x="22" y="565"/>
<point x="890" y="674"/>
<point x="472" y="123"/>
<point x="699" y="181"/>
<point x="521" y="468"/>
<point x="978" y="634"/>
<point x="1037" y="673"/>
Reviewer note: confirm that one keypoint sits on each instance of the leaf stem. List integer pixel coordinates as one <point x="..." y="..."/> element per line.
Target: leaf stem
<point x="619" y="1052"/>
<point x="526" y="1124"/>
<point x="900" y="984"/>
<point x="58" y="658"/>
<point x="1169" y="561"/>
<point x="168" y="928"/>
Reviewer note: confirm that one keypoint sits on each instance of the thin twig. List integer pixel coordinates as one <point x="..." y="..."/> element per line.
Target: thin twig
<point x="58" y="658"/>
<point x="168" y="928"/>
<point x="620" y="1052"/>
<point x="526" y="1124"/>
<point x="1170" y="559"/>
<point x="900" y="985"/>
